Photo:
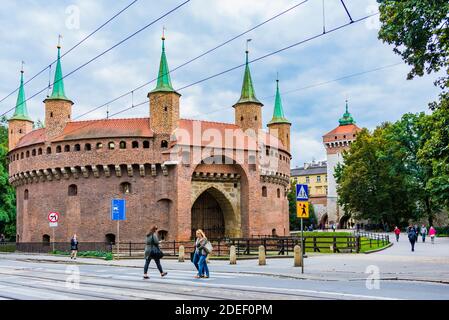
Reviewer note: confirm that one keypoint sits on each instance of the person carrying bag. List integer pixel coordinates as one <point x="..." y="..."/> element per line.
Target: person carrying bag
<point x="152" y="251"/>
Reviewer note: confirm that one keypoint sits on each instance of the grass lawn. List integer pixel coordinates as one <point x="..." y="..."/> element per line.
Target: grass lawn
<point x="7" y="248"/>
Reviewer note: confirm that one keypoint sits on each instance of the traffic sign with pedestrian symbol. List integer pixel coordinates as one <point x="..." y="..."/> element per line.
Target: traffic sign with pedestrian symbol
<point x="302" y="192"/>
<point x="302" y="209"/>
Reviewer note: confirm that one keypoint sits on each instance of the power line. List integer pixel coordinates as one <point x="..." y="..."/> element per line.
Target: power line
<point x="231" y="69"/>
<point x="196" y="58"/>
<point x="316" y="84"/>
<point x="106" y="51"/>
<point x="72" y="48"/>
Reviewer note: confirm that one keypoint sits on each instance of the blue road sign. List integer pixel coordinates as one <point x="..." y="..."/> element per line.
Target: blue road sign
<point x="118" y="209"/>
<point x="302" y="192"/>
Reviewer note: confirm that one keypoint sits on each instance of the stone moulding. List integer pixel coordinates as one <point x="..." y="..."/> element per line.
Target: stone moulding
<point x="43" y="175"/>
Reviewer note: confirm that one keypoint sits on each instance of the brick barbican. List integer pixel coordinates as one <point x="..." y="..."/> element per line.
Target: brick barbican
<point x="171" y="172"/>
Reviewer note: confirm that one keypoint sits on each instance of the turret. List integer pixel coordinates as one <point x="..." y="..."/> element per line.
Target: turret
<point x="279" y="126"/>
<point x="248" y="110"/>
<point x="164" y="100"/>
<point x="20" y="124"/>
<point x="58" y="108"/>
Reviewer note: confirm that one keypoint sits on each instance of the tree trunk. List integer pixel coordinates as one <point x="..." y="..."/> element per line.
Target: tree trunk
<point x="429" y="211"/>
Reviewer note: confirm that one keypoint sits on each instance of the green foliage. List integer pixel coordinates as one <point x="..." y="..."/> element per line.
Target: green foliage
<point x="435" y="151"/>
<point x="87" y="254"/>
<point x="7" y="193"/>
<point x="383" y="179"/>
<point x="419" y="31"/>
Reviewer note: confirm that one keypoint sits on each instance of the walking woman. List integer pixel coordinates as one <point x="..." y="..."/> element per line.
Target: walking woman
<point x="397" y="232"/>
<point x="432" y="233"/>
<point x="152" y="251"/>
<point x="74" y="247"/>
<point x="201" y="252"/>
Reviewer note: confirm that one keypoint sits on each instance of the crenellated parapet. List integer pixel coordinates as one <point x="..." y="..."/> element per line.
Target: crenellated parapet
<point x="276" y="178"/>
<point x="86" y="172"/>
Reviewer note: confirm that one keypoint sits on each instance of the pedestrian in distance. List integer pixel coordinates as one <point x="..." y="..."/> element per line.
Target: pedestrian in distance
<point x="397" y="232"/>
<point x="416" y="232"/>
<point x="203" y="247"/>
<point x="432" y="234"/>
<point x="411" y="236"/>
<point x="423" y="233"/>
<point x="153" y="251"/>
<point x="74" y="247"/>
<point x="2" y="238"/>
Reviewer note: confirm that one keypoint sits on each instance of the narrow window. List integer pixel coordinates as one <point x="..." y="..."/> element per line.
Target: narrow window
<point x="73" y="190"/>
<point x="125" y="187"/>
<point x="48" y="150"/>
<point x="279" y="193"/>
<point x="241" y="118"/>
<point x="135" y="144"/>
<point x="33" y="153"/>
<point x="67" y="148"/>
<point x="264" y="192"/>
<point x="28" y="154"/>
<point x="99" y="146"/>
<point x="77" y="147"/>
<point x="21" y="155"/>
<point x="87" y="147"/>
<point x="51" y="114"/>
<point x="164" y="144"/>
<point x="26" y="194"/>
<point x="39" y="151"/>
<point x="122" y="145"/>
<point x="111" y="146"/>
<point x="146" y="144"/>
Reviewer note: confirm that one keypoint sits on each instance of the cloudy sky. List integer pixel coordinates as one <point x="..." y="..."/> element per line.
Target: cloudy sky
<point x="312" y="101"/>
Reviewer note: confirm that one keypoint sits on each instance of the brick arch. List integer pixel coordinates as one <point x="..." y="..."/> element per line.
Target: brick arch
<point x="229" y="203"/>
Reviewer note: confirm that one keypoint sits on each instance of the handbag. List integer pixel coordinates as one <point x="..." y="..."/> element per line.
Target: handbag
<point x="156" y="253"/>
<point x="208" y="247"/>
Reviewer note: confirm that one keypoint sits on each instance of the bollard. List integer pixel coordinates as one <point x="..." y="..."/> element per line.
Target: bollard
<point x="232" y="255"/>
<point x="298" y="256"/>
<point x="262" y="258"/>
<point x="181" y="254"/>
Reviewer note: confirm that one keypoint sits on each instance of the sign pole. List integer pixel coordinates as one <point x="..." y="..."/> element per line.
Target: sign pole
<point x="302" y="247"/>
<point x="118" y="239"/>
<point x="53" y="229"/>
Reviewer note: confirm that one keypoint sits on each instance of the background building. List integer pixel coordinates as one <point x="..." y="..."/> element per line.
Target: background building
<point x="335" y="142"/>
<point x="314" y="174"/>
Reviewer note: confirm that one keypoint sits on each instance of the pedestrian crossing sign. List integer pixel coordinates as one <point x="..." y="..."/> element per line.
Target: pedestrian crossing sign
<point x="302" y="192"/>
<point x="302" y="209"/>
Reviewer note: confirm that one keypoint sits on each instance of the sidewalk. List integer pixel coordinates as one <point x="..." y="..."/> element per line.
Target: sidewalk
<point x="428" y="263"/>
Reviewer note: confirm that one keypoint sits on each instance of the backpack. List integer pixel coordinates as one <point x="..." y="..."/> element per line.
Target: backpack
<point x="208" y="247"/>
<point x="412" y="235"/>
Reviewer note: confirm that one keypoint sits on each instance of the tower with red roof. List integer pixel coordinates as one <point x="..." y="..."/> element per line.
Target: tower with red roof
<point x="336" y="142"/>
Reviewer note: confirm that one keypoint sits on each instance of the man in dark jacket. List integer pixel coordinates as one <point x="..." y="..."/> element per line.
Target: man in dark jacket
<point x="411" y="236"/>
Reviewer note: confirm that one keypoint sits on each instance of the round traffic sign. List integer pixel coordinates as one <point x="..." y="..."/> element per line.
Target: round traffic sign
<point x="53" y="216"/>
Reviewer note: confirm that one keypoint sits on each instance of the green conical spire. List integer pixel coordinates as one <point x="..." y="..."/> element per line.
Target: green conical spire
<point x="21" y="112"/>
<point x="347" y="117"/>
<point x="58" y="86"/>
<point x="163" y="80"/>
<point x="248" y="93"/>
<point x="278" y="114"/>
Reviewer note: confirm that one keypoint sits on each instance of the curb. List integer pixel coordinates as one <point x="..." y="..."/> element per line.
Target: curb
<point x="380" y="249"/>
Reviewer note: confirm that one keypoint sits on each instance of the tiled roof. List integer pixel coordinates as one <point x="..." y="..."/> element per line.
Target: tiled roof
<point x="190" y="132"/>
<point x="220" y="135"/>
<point x="350" y="128"/>
<point x="106" y="128"/>
<point x="34" y="137"/>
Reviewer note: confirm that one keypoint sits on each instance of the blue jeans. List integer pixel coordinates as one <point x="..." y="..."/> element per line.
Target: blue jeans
<point x="203" y="269"/>
<point x="196" y="260"/>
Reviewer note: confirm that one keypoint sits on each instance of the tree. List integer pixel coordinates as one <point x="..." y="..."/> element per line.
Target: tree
<point x="435" y="152"/>
<point x="404" y="140"/>
<point x="419" y="30"/>
<point x="7" y="193"/>
<point x="371" y="185"/>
